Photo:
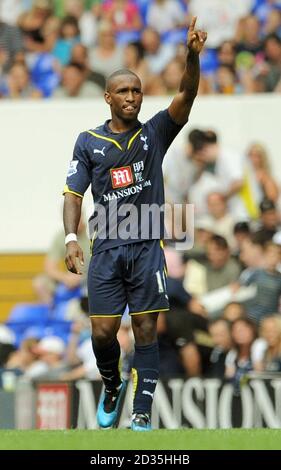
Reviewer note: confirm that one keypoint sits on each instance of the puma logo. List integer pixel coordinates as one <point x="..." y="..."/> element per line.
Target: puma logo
<point x="100" y="151"/>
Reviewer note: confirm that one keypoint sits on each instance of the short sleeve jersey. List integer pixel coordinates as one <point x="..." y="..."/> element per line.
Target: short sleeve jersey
<point x="125" y="174"/>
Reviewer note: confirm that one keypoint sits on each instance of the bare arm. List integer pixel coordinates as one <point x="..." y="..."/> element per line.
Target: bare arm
<point x="181" y="105"/>
<point x="71" y="217"/>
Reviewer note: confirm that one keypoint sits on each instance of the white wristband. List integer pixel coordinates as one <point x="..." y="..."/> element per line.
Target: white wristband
<point x="71" y="237"/>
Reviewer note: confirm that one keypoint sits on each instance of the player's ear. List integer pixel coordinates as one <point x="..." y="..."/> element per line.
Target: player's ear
<point x="107" y="97"/>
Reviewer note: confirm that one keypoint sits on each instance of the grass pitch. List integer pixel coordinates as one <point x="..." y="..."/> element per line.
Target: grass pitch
<point x="181" y="439"/>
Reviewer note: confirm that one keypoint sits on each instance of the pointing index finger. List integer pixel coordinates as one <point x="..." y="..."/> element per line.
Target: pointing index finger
<point x="192" y="24"/>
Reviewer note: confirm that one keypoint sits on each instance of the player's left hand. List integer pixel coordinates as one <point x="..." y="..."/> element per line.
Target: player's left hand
<point x="195" y="39"/>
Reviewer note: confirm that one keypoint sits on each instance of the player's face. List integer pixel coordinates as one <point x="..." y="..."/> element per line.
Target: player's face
<point x="125" y="97"/>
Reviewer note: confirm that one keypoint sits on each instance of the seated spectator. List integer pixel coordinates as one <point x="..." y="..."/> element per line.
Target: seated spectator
<point x="123" y="15"/>
<point x="24" y="357"/>
<point x="50" y="364"/>
<point x="270" y="331"/>
<point x="107" y="56"/>
<point x="165" y="15"/>
<point x="183" y="337"/>
<point x="259" y="161"/>
<point x="226" y="81"/>
<point x="87" y="20"/>
<point x="135" y="61"/>
<point x="227" y="53"/>
<point x="54" y="262"/>
<point x="218" y="271"/>
<point x="80" y="56"/>
<point x="233" y="311"/>
<point x="219" y="218"/>
<point x="157" y="54"/>
<point x="220" y="332"/>
<point x="18" y="84"/>
<point x="269" y="222"/>
<point x="241" y="233"/>
<point x="10" y="44"/>
<point x="172" y="75"/>
<point x="271" y="73"/>
<point x="239" y="360"/>
<point x="75" y="84"/>
<point x="69" y="36"/>
<point x="268" y="284"/>
<point x="248" y="36"/>
<point x="7" y="344"/>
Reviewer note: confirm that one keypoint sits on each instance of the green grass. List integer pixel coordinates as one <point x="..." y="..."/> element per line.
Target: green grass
<point x="182" y="439"/>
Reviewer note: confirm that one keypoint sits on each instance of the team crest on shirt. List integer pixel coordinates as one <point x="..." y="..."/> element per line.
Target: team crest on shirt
<point x="72" y="167"/>
<point x="121" y="177"/>
<point x="144" y="138"/>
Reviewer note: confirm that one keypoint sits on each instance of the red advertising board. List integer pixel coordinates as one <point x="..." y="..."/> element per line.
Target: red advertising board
<point x="53" y="406"/>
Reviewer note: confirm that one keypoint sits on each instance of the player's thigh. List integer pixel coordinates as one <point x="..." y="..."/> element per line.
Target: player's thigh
<point x="107" y="296"/>
<point x="146" y="286"/>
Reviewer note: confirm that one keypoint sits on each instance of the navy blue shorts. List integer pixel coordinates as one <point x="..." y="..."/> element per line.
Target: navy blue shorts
<point x="133" y="275"/>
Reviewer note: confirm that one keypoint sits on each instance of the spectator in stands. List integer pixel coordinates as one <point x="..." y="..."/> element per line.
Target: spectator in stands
<point x="24" y="357"/>
<point x="270" y="331"/>
<point x="7" y="344"/>
<point x="135" y="61"/>
<point x="227" y="53"/>
<point x="220" y="332"/>
<point x="18" y="84"/>
<point x="241" y="232"/>
<point x="272" y="48"/>
<point x="75" y="83"/>
<point x="239" y="360"/>
<point x="219" y="218"/>
<point x="10" y="44"/>
<point x="226" y="81"/>
<point x="228" y="166"/>
<point x="259" y="164"/>
<point x="51" y="363"/>
<point x="219" y="18"/>
<point x="219" y="271"/>
<point x="248" y="36"/>
<point x="56" y="281"/>
<point x="269" y="222"/>
<point x="268" y="284"/>
<point x="183" y="338"/>
<point x="87" y="20"/>
<point x="107" y="56"/>
<point x="69" y="36"/>
<point x="172" y="76"/>
<point x="234" y="311"/>
<point x="157" y="54"/>
<point x="165" y="15"/>
<point x="80" y="56"/>
<point x="123" y="15"/>
<point x="32" y="21"/>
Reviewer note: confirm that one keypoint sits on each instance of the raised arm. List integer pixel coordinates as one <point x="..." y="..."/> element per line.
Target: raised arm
<point x="71" y="217"/>
<point x="182" y="103"/>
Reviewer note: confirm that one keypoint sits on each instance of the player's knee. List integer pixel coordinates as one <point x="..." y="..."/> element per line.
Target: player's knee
<point x="102" y="337"/>
<point x="145" y="330"/>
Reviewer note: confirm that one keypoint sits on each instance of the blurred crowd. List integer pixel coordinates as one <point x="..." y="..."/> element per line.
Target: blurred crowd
<point x="67" y="48"/>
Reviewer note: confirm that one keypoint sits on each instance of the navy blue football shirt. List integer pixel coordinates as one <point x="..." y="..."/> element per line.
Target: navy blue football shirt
<point x="125" y="174"/>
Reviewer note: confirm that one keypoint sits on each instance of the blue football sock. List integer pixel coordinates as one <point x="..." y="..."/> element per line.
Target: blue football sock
<point x="145" y="376"/>
<point x="108" y="359"/>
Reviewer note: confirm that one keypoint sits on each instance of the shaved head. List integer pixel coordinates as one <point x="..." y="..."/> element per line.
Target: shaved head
<point x="115" y="75"/>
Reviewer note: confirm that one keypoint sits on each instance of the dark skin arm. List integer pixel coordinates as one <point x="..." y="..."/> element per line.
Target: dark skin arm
<point x="181" y="105"/>
<point x="71" y="217"/>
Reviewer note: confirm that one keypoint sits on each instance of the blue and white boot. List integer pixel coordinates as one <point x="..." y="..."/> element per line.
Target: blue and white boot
<point x="141" y="422"/>
<point x="109" y="405"/>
